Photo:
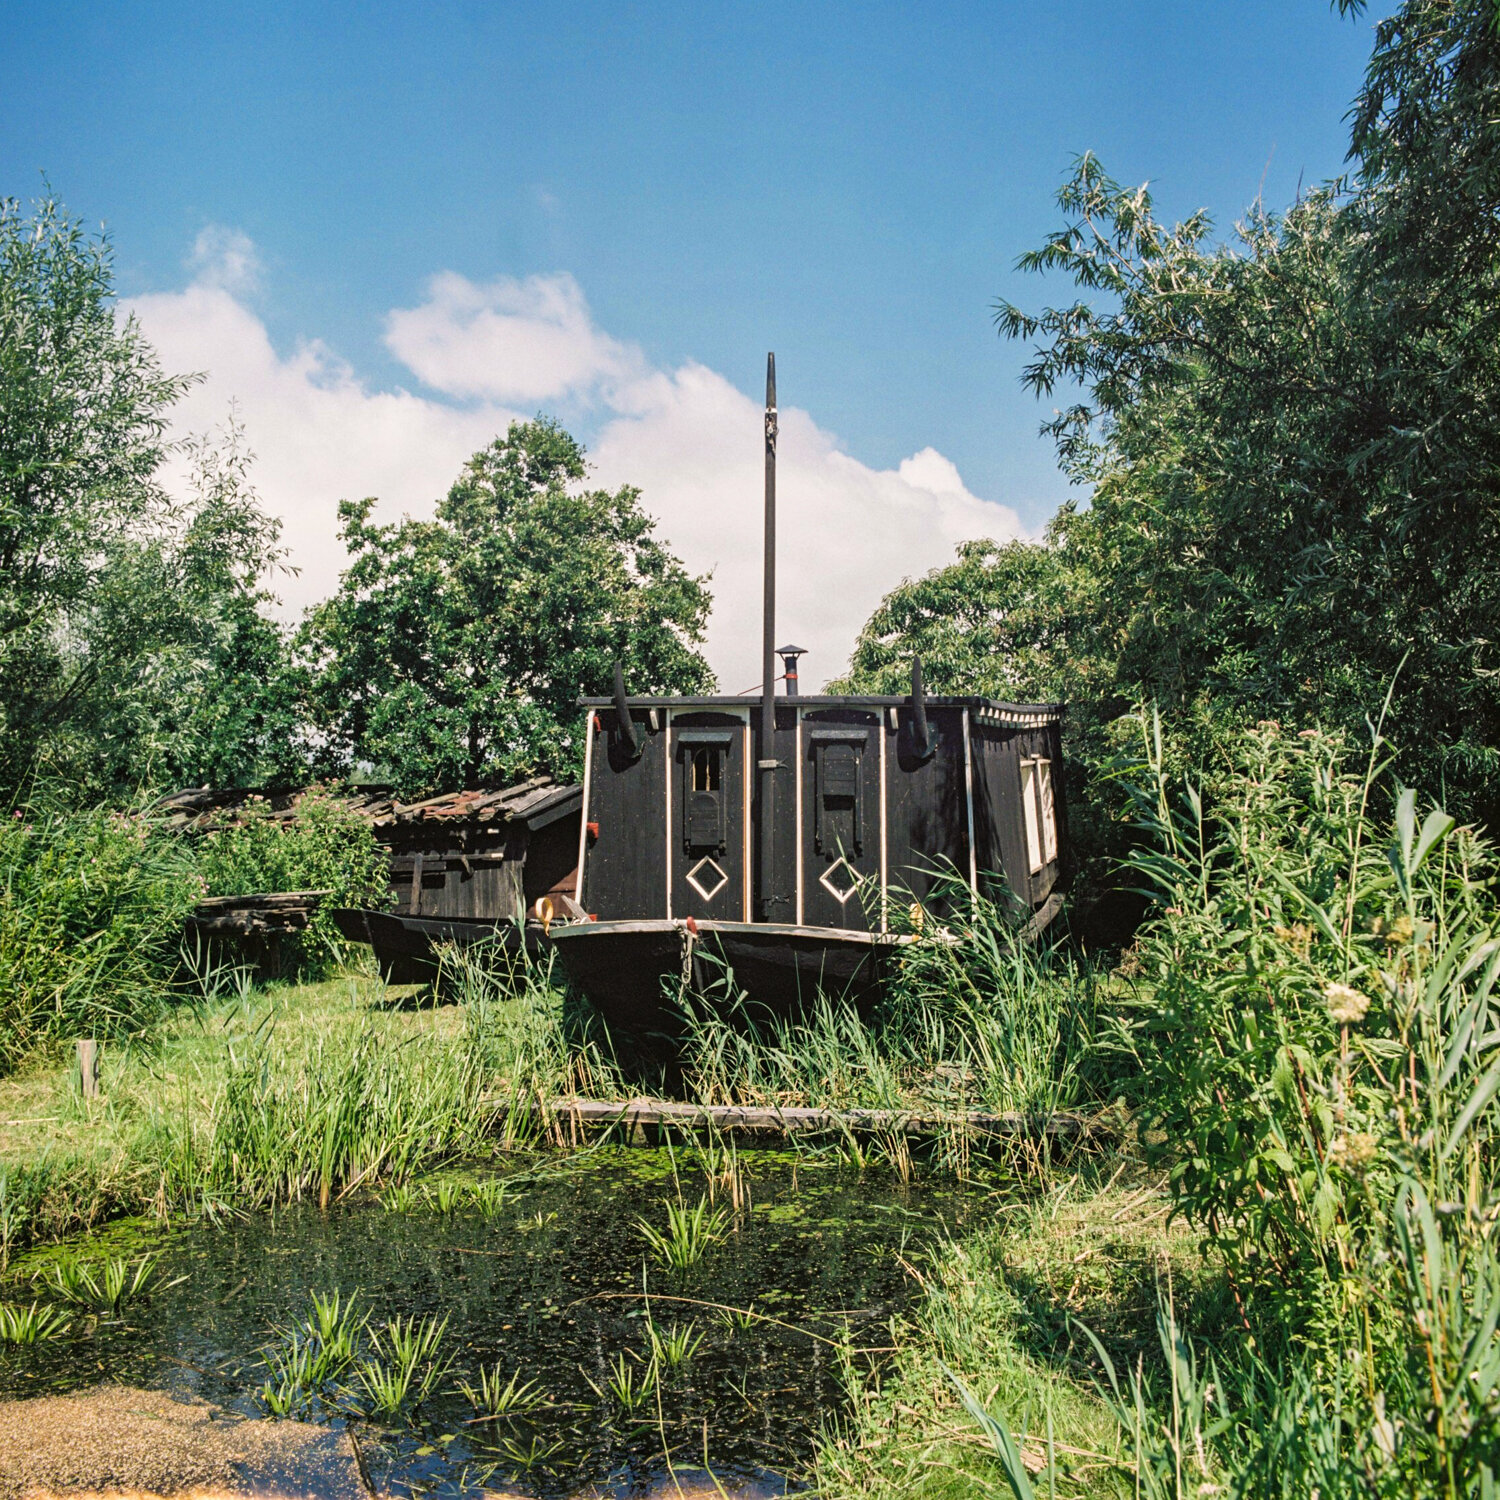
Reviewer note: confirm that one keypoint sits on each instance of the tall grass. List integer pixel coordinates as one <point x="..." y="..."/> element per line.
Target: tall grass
<point x="91" y="910"/>
<point x="1315" y="1020"/>
<point x="973" y="1017"/>
<point x="346" y="1109"/>
<point x="1319" y="1037"/>
<point x="536" y="1040"/>
<point x="321" y="1113"/>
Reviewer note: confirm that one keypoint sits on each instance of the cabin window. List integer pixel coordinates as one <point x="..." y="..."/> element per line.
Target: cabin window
<point x="1039" y="809"/>
<point x="704" y="809"/>
<point x="1049" y="810"/>
<point x="838" y="809"/>
<point x="1034" y="858"/>
<point x="706" y="770"/>
<point x="705" y="799"/>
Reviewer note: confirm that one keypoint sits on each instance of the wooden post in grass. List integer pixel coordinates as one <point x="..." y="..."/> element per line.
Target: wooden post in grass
<point x="88" y="1067"/>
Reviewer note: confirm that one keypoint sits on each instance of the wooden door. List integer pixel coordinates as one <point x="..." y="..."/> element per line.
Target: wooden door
<point x="843" y="818"/>
<point x="708" y="816"/>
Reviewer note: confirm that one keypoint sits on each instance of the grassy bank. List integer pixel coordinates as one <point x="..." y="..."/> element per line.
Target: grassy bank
<point x="1000" y="1316"/>
<point x="257" y="1095"/>
<point x="244" y="1095"/>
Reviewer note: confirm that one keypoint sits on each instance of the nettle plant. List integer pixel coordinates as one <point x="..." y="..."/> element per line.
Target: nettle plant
<point x="1319" y="1034"/>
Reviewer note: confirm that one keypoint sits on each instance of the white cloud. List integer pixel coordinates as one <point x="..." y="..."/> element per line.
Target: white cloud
<point x="509" y="340"/>
<point x="846" y="533"/>
<point x="687" y="437"/>
<point x="225" y="258"/>
<point x="320" y="435"/>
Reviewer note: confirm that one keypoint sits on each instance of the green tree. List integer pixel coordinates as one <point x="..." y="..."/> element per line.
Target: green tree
<point x="454" y="650"/>
<point x="992" y="623"/>
<point x="229" y="701"/>
<point x="1292" y="439"/>
<point x="120" y="607"/>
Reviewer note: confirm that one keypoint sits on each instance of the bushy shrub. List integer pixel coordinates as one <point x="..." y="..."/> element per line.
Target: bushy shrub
<point x="1319" y="1036"/>
<point x="91" y="912"/>
<point x="325" y="847"/>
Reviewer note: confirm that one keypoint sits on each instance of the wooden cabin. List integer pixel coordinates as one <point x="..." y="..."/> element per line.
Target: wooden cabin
<point x="467" y="866"/>
<point x="463" y="866"/>
<point x="482" y="855"/>
<point x="875" y="796"/>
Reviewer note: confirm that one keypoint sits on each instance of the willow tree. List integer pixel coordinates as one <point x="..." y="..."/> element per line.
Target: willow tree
<point x="1291" y="438"/>
<point x="125" y="610"/>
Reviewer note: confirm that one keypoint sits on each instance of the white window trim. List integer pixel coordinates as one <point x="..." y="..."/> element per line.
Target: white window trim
<point x="1039" y="809"/>
<point x="1029" y="806"/>
<point x="1049" y="809"/>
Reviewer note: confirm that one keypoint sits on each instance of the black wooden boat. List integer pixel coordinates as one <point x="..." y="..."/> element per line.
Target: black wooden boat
<point x="876" y="806"/>
<point x="787" y="837"/>
<point x="406" y="947"/>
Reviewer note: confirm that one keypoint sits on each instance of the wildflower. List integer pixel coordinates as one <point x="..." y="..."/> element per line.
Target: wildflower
<point x="1356" y="1150"/>
<point x="1347" y="1006"/>
<point x="1297" y="937"/>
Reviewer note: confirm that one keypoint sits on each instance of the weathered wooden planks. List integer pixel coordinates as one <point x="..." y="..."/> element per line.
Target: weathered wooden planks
<point x="577" y="1116"/>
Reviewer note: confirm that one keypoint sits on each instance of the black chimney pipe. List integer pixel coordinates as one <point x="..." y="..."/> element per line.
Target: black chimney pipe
<point x="789" y="655"/>
<point x="628" y="736"/>
<point x="766" y="762"/>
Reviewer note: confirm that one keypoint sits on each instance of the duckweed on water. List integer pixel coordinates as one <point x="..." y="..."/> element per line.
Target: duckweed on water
<point x="477" y="1356"/>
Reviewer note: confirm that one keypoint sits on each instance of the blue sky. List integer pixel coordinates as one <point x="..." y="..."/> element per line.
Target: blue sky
<point x="849" y="185"/>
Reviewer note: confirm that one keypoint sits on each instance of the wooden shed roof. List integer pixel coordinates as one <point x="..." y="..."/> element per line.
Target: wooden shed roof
<point x="534" y="803"/>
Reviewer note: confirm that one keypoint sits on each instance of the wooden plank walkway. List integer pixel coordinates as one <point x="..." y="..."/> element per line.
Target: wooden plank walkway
<point x="576" y="1116"/>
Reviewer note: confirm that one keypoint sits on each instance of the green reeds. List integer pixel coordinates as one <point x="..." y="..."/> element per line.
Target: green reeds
<point x="309" y="1360"/>
<point x="405" y="1363"/>
<point x="499" y="1396"/>
<point x="33" y="1324"/>
<point x="101" y="1287"/>
<point x="628" y="1382"/>
<point x="692" y="1230"/>
<point x="738" y="1319"/>
<point x="447" y="1196"/>
<point x="675" y="1345"/>
<point x="336" y="1359"/>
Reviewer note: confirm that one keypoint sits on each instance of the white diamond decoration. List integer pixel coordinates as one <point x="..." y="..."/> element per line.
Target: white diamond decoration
<point x="840" y="880"/>
<point x="707" y="878"/>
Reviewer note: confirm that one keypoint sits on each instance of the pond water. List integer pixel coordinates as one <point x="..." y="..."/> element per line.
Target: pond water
<point x="558" y="1287"/>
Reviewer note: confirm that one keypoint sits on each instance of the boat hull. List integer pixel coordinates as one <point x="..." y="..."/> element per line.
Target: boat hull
<point x="633" y="970"/>
<point x="406" y="947"/>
